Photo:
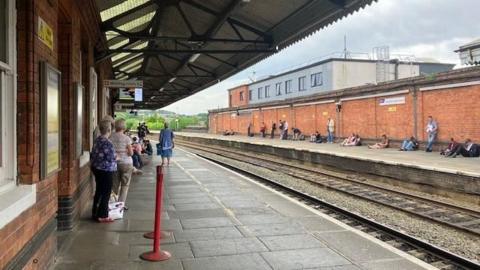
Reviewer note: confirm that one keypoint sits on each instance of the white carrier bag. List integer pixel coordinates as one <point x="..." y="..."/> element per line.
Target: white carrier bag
<point x="115" y="210"/>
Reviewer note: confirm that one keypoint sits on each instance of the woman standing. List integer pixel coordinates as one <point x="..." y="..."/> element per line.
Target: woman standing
<point x="104" y="164"/>
<point x="166" y="144"/>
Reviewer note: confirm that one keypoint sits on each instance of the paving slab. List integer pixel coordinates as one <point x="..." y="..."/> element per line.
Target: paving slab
<point x="232" y="262"/>
<point x="289" y="242"/>
<point x="221" y="247"/>
<point x="304" y="259"/>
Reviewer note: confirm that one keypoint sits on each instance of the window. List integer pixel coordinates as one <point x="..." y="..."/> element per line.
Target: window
<point x="278" y="88"/>
<point x="3" y="31"/>
<point x="316" y="79"/>
<point x="267" y="91"/>
<point x="250" y="94"/>
<point x="241" y="96"/>
<point x="260" y="92"/>
<point x="7" y="93"/>
<point x="301" y="84"/>
<point x="288" y="87"/>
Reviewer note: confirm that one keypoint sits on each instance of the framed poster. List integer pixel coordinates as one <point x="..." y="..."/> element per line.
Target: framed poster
<point x="50" y="120"/>
<point x="93" y="103"/>
<point x="79" y="119"/>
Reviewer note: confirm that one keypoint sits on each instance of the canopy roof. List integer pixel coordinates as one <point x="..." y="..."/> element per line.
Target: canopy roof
<point x="179" y="47"/>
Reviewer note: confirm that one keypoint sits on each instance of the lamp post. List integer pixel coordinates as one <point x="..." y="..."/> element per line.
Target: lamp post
<point x="176" y="125"/>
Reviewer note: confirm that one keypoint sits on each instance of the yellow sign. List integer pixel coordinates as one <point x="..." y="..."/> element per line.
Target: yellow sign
<point x="325" y="113"/>
<point x="45" y="33"/>
<point x="392" y="109"/>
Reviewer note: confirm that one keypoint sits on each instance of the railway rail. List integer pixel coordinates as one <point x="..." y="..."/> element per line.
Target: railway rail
<point x="443" y="213"/>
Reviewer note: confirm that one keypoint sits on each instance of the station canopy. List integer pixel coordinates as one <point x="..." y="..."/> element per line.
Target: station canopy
<point x="179" y="47"/>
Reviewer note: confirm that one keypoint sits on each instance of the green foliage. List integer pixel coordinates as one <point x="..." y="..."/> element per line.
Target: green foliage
<point x="132" y="123"/>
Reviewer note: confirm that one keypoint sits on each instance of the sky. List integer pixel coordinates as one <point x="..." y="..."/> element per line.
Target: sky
<point x="422" y="28"/>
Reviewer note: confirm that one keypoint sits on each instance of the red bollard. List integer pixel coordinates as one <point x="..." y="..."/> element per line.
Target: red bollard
<point x="157" y="254"/>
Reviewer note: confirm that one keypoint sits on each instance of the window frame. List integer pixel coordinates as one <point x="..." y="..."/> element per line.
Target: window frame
<point x="241" y="95"/>
<point x="267" y="91"/>
<point x="260" y="92"/>
<point x="8" y="100"/>
<point x="250" y="92"/>
<point x="313" y="79"/>
<point x="278" y="88"/>
<point x="301" y="83"/>
<point x="288" y="90"/>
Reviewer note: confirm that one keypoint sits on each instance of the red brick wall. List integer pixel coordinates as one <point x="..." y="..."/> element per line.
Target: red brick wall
<point x="235" y="96"/>
<point x="455" y="109"/>
<point x="71" y="32"/>
<point x="18" y="232"/>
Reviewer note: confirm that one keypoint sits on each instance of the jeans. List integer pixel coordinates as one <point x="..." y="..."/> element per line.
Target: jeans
<point x="137" y="160"/>
<point x="407" y="145"/>
<point x="103" y="184"/>
<point x="431" y="140"/>
<point x="330" y="137"/>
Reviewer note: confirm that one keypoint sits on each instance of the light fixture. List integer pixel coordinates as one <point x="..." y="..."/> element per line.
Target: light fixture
<point x="193" y="58"/>
<point x="161" y="89"/>
<point x="172" y="79"/>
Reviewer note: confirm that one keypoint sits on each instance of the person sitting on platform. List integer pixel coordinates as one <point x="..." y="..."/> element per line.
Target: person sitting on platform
<point x="409" y="144"/>
<point x="469" y="149"/>
<point x="349" y="141"/>
<point x="450" y="150"/>
<point x="355" y="142"/>
<point x="137" y="150"/>
<point x="147" y="147"/>
<point x="358" y="140"/>
<point x="296" y="133"/>
<point x="226" y="132"/>
<point x="316" y="137"/>
<point x="382" y="144"/>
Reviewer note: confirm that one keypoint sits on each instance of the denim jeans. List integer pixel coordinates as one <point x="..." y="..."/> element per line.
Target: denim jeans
<point x="407" y="145"/>
<point x="431" y="140"/>
<point x="330" y="137"/>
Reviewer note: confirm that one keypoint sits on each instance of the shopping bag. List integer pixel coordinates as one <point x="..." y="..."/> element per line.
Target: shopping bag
<point x="115" y="210"/>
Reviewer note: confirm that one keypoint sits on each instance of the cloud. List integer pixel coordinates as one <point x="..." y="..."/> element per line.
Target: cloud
<point x="426" y="29"/>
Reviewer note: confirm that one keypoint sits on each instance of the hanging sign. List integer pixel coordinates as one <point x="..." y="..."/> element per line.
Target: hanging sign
<point x="123" y="84"/>
<point x="45" y="33"/>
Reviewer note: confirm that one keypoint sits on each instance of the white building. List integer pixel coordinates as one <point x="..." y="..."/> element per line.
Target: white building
<point x="336" y="73"/>
<point x="470" y="53"/>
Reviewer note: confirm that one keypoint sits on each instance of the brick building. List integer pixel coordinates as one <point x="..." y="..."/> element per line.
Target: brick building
<point x="238" y="96"/>
<point x="399" y="109"/>
<point x="58" y="37"/>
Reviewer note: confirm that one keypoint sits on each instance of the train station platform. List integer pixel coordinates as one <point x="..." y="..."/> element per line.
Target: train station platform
<point x="431" y="170"/>
<point x="221" y="220"/>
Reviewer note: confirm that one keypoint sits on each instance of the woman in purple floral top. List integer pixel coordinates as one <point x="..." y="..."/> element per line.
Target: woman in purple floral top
<point x="103" y="163"/>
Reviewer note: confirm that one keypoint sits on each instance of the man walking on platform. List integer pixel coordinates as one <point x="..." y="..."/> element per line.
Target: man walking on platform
<point x="330" y="130"/>
<point x="432" y="130"/>
<point x="272" y="133"/>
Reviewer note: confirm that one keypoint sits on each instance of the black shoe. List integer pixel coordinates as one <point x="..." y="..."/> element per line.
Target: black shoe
<point x="428" y="150"/>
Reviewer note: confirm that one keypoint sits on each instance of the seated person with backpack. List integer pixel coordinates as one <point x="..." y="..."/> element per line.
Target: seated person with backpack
<point x="316" y="137"/>
<point x="409" y="144"/>
<point x="350" y="141"/>
<point x="384" y="143"/>
<point x="468" y="149"/>
<point x="147" y="147"/>
<point x="450" y="150"/>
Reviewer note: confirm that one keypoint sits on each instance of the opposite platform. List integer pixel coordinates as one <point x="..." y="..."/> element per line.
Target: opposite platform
<point x="435" y="173"/>
<point x="221" y="220"/>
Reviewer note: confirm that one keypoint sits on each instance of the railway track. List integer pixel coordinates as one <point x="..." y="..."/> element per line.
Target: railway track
<point x="460" y="218"/>
<point x="409" y="203"/>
